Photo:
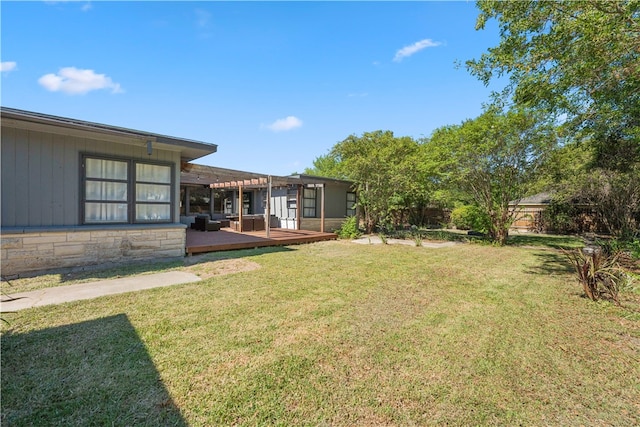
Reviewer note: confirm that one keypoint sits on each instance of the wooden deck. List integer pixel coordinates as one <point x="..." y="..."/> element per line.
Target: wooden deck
<point x="227" y="239"/>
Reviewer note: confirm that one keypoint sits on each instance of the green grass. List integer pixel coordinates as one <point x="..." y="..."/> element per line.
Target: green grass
<point x="335" y="333"/>
<point x="545" y="240"/>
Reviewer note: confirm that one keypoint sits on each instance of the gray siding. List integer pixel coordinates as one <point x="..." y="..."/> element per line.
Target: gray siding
<point x="280" y="207"/>
<point x="41" y="175"/>
<point x="335" y="201"/>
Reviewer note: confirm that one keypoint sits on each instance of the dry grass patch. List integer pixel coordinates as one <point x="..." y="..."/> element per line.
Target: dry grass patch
<point x="209" y="269"/>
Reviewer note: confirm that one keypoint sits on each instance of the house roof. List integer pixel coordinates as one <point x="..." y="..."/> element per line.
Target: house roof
<point x="189" y="149"/>
<point x="536" y="199"/>
<point x="313" y="179"/>
<point x="195" y="174"/>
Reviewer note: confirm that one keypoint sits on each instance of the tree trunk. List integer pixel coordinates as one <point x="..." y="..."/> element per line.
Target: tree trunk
<point x="502" y="235"/>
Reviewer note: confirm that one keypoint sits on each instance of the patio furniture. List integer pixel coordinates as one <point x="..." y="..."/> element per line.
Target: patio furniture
<point x="204" y="223"/>
<point x="250" y="222"/>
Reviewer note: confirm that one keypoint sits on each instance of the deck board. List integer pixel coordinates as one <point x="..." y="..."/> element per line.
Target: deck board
<point x="227" y="239"/>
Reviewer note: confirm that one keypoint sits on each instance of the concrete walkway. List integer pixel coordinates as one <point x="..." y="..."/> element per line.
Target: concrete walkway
<point x="91" y="290"/>
<point x="376" y="240"/>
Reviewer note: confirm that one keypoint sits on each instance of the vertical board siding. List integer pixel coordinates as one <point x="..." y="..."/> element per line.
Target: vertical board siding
<point x="8" y="164"/>
<point x="70" y="183"/>
<point x="7" y="142"/>
<point x="21" y="197"/>
<point x="41" y="175"/>
<point x="46" y="180"/>
<point x="57" y="180"/>
<point x="35" y="199"/>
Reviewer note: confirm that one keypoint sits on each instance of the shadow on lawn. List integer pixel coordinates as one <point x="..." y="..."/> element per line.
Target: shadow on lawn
<point x="551" y="262"/>
<point x="96" y="372"/>
<point x="550" y="241"/>
<point x="101" y="272"/>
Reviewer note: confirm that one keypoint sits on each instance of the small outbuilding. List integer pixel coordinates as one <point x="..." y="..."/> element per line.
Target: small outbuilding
<point x="529" y="212"/>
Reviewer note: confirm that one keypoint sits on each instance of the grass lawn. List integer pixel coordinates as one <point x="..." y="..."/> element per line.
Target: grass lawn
<point x="335" y="333"/>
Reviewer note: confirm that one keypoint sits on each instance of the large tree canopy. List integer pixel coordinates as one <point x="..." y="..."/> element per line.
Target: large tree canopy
<point x="577" y="59"/>
<point x="580" y="62"/>
<point x="388" y="172"/>
<point x="494" y="159"/>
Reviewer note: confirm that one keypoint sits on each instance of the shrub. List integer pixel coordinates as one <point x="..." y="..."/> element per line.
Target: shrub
<point x="349" y="229"/>
<point x="634" y="249"/>
<point x="598" y="272"/>
<point x="469" y="217"/>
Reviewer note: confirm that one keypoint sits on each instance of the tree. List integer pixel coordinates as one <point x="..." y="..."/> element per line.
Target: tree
<point x="612" y="194"/>
<point x="494" y="160"/>
<point x="387" y="172"/>
<point x="326" y="166"/>
<point x="580" y="62"/>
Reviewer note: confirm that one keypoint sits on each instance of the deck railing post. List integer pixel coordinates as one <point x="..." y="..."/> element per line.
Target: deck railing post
<point x="267" y="219"/>
<point x="322" y="208"/>
<point x="240" y="206"/>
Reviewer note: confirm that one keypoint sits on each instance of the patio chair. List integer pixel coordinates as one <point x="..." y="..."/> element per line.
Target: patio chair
<point x="204" y="223"/>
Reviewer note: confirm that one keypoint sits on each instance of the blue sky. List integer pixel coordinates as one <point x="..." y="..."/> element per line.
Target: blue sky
<point x="275" y="85"/>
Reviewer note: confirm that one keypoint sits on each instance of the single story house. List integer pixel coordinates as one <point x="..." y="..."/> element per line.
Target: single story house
<point x="529" y="212"/>
<point x="77" y="193"/>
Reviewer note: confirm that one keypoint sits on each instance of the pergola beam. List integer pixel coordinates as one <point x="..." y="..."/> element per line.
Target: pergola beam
<point x="240" y="183"/>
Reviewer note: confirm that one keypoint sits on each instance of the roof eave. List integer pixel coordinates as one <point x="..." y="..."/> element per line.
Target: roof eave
<point x="189" y="149"/>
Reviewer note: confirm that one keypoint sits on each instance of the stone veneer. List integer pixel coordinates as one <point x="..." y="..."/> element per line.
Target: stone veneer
<point x="30" y="250"/>
<point x="313" y="224"/>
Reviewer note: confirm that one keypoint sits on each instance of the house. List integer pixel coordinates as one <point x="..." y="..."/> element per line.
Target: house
<point x="77" y="193"/>
<point x="297" y="202"/>
<point x="529" y="212"/>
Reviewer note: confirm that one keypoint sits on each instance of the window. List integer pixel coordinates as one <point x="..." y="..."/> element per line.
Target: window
<point x="309" y="203"/>
<point x="292" y="201"/>
<point x="351" y="204"/>
<point x="247" y="203"/>
<point x="126" y="191"/>
<point x="153" y="192"/>
<point x="228" y="202"/>
<point x="199" y="200"/>
<point x="217" y="201"/>
<point x="106" y="192"/>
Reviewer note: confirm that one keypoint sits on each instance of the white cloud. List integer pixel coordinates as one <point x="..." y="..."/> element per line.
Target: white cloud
<point x="8" y="66"/>
<point x="414" y="48"/>
<point x="203" y="18"/>
<point x="288" y="123"/>
<point x="85" y="7"/>
<point x="76" y="81"/>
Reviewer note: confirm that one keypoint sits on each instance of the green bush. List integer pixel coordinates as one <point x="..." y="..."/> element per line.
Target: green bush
<point x="634" y="248"/>
<point x="469" y="217"/>
<point x="349" y="229"/>
<point x="563" y="218"/>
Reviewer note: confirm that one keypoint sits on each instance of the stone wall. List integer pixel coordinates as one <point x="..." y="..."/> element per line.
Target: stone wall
<point x="26" y="252"/>
<point x="313" y="224"/>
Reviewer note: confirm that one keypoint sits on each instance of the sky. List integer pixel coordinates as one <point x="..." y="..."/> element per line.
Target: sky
<point x="273" y="84"/>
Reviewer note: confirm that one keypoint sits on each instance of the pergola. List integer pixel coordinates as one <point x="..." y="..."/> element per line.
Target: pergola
<point x="230" y="179"/>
